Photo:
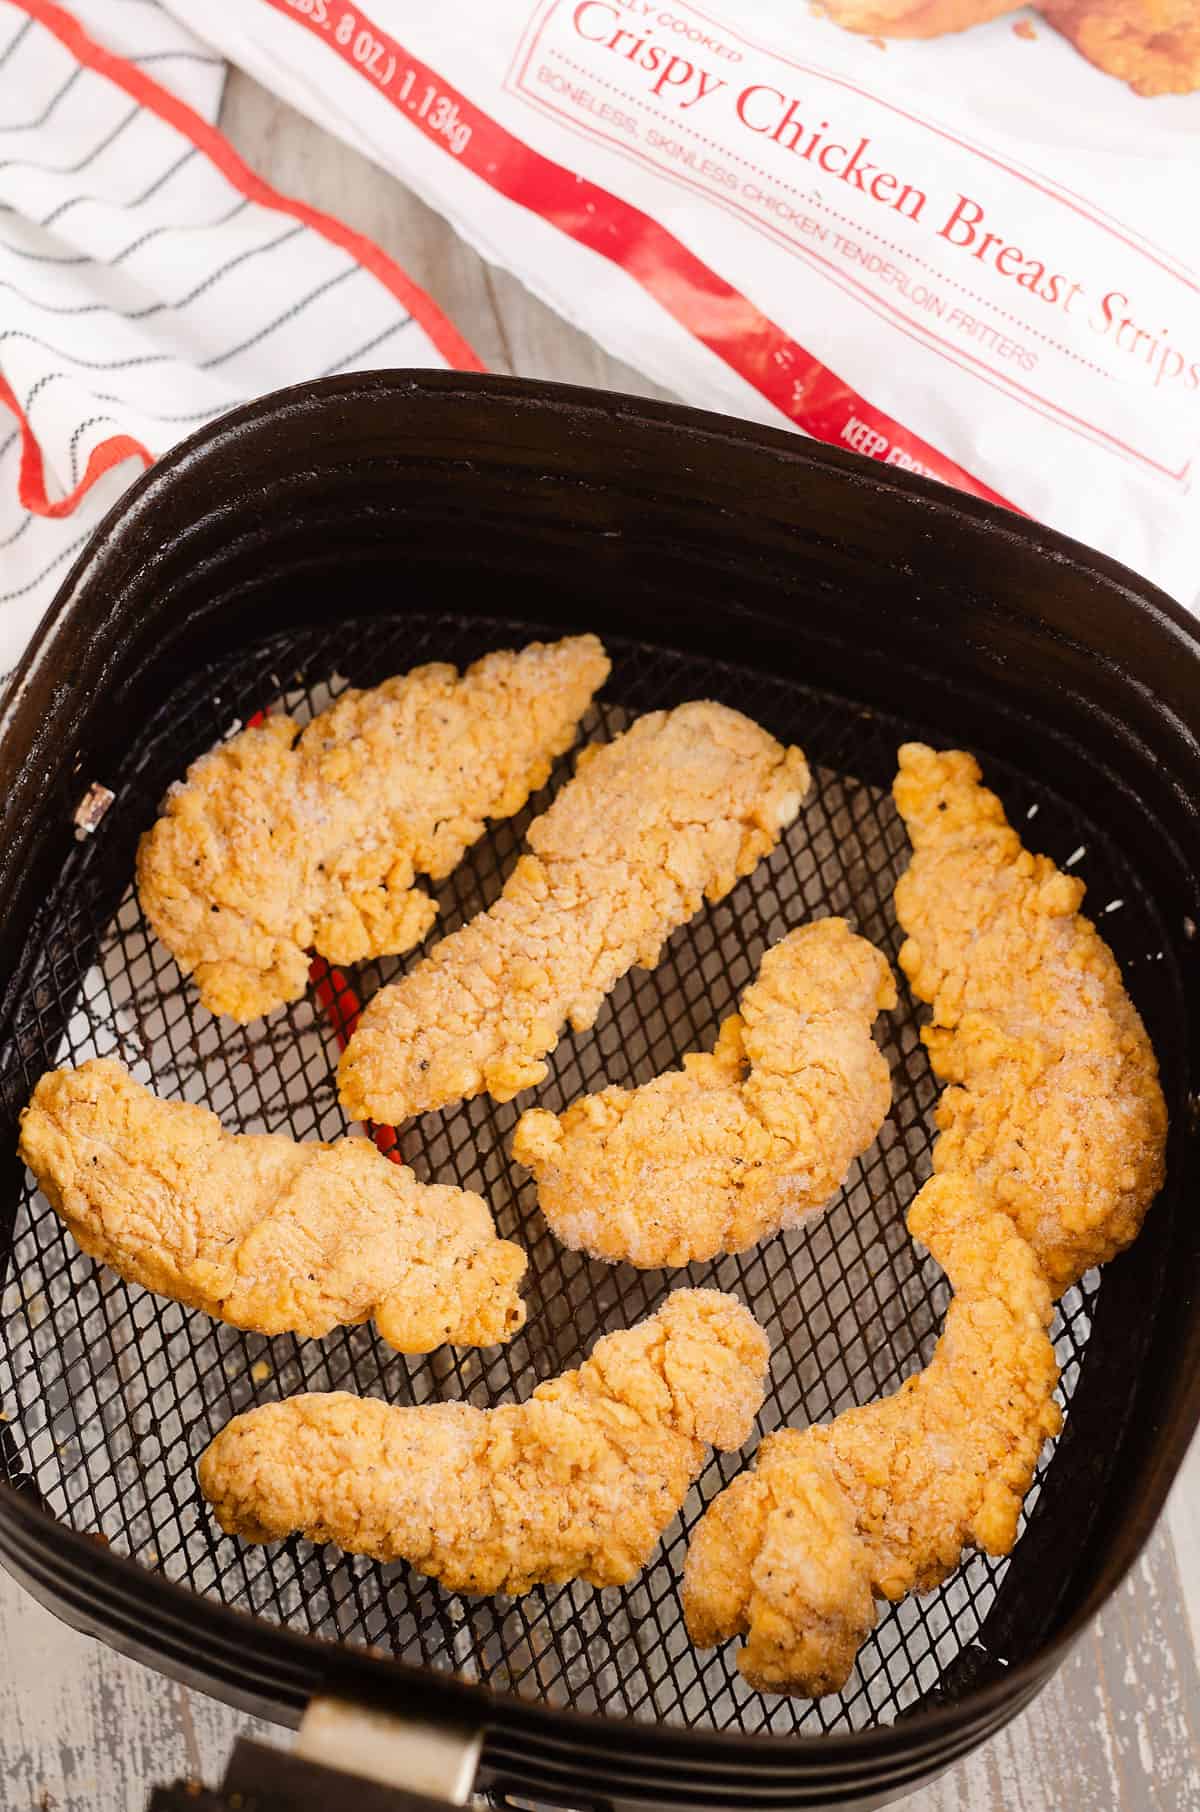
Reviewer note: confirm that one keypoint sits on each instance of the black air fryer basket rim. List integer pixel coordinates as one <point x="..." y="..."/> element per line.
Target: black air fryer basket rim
<point x="49" y="1554"/>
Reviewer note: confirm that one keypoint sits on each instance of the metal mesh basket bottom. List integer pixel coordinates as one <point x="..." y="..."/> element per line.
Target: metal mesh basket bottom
<point x="111" y="1393"/>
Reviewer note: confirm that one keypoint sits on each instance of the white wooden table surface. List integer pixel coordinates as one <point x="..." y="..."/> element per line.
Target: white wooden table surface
<point x="83" y="1730"/>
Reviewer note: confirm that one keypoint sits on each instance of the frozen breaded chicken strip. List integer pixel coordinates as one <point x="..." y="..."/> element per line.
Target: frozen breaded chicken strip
<point x="260" y="1231"/>
<point x="669" y="814"/>
<point x="740" y="1143"/>
<point x="1056" y="1108"/>
<point x="1154" y="45"/>
<point x="883" y="1500"/>
<point x="578" y="1482"/>
<point x="285" y="841"/>
<point x="913" y="18"/>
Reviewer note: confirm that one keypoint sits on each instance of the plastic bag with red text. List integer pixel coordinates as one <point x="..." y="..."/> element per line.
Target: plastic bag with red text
<point x="955" y="235"/>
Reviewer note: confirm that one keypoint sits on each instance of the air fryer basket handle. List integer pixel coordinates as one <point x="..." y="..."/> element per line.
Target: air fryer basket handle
<point x="347" y="1758"/>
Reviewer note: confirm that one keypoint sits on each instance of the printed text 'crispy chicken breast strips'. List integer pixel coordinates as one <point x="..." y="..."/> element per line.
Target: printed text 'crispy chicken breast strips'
<point x="283" y="841"/>
<point x="578" y="1482"/>
<point x="740" y="1143"/>
<point x="1056" y="1108"/>
<point x="671" y="813"/>
<point x="260" y="1231"/>
<point x="883" y="1500"/>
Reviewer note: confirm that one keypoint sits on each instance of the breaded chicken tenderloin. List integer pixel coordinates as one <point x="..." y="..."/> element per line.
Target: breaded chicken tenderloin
<point x="913" y="18"/>
<point x="740" y="1143"/>
<point x="669" y="814"/>
<point x="285" y="841"/>
<point x="578" y="1482"/>
<point x="260" y="1231"/>
<point x="1050" y="1151"/>
<point x="1154" y="45"/>
<point x="1055" y="1107"/>
<point x="883" y="1500"/>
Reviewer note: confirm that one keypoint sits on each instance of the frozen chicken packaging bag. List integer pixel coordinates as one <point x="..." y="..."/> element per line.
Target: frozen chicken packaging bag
<point x="958" y="236"/>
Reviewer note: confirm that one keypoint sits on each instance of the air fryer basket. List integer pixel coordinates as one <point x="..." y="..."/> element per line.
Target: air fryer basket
<point x="351" y="529"/>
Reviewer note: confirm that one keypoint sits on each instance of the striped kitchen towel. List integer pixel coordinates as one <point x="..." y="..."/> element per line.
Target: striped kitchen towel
<point x="148" y="279"/>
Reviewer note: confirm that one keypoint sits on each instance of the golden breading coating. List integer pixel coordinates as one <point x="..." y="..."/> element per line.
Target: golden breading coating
<point x="1051" y="1149"/>
<point x="672" y="812"/>
<point x="913" y="18"/>
<point x="1056" y="1109"/>
<point x="283" y="841"/>
<point x="1154" y="45"/>
<point x="260" y="1231"/>
<point x="883" y="1500"/>
<point x="740" y="1143"/>
<point x="578" y="1482"/>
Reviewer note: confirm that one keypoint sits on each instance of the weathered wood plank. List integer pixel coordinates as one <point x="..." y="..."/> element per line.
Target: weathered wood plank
<point x="84" y="1730"/>
<point x="1183" y="1519"/>
<point x="508" y="327"/>
<point x="1116" y="1730"/>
